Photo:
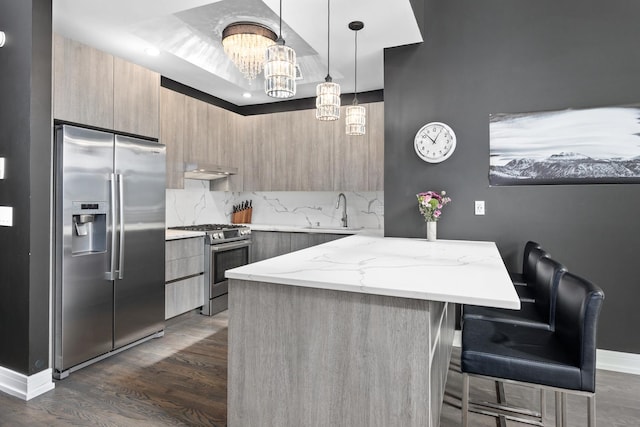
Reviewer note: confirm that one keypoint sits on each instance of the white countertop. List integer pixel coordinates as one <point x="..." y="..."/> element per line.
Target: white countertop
<point x="181" y="234"/>
<point x="466" y="272"/>
<point x="313" y="229"/>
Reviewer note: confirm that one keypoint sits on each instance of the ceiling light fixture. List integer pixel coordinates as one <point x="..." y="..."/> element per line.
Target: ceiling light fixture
<point x="355" y="115"/>
<point x="328" y="93"/>
<point x="280" y="68"/>
<point x="245" y="43"/>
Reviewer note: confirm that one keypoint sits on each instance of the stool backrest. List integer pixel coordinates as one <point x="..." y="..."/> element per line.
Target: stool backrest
<point x="529" y="260"/>
<point x="545" y="286"/>
<point x="578" y="307"/>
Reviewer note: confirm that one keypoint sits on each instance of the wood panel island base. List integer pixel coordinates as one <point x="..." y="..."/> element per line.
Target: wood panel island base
<point x="354" y="332"/>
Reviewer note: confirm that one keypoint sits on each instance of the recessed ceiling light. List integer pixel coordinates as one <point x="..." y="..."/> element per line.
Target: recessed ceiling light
<point x="152" y="51"/>
<point x="246" y="95"/>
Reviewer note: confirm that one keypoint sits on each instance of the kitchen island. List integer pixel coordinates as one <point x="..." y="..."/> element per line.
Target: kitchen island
<point x="354" y="332"/>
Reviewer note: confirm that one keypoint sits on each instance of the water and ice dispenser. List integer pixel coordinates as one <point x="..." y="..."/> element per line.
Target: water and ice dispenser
<point x="89" y="227"/>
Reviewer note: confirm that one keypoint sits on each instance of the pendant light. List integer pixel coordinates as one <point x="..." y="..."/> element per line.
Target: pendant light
<point x="280" y="68"/>
<point x="328" y="93"/>
<point x="356" y="115"/>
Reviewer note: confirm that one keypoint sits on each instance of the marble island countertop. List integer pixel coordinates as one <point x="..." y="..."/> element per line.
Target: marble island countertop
<point x="466" y="272"/>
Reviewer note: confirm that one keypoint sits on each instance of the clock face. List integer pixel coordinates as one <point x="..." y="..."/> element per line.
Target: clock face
<point x="435" y="142"/>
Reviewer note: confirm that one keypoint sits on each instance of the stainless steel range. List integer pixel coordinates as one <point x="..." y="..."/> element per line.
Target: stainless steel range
<point x="226" y="247"/>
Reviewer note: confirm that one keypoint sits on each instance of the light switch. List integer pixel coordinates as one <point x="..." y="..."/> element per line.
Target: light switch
<point x="6" y="216"/>
<point x="479" y="207"/>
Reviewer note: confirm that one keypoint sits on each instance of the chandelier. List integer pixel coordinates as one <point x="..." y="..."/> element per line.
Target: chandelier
<point x="245" y="43"/>
<point x="356" y="115"/>
<point x="328" y="93"/>
<point x="280" y="68"/>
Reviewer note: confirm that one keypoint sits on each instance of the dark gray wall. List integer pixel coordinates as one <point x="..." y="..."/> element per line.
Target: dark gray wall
<point x="494" y="56"/>
<point x="25" y="142"/>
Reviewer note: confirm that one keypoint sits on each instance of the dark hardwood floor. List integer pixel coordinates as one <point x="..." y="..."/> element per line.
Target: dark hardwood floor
<point x="177" y="380"/>
<point x="181" y="380"/>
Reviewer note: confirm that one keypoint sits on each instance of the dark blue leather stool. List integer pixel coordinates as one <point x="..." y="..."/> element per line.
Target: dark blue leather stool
<point x="562" y="359"/>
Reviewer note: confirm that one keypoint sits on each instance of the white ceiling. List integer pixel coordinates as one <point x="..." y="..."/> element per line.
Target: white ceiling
<point x="188" y="33"/>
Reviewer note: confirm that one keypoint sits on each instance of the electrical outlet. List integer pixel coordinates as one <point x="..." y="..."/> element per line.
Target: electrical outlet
<point x="6" y="216"/>
<point x="479" y="207"/>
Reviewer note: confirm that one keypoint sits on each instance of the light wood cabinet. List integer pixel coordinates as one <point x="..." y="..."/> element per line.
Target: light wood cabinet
<point x="350" y="159"/>
<point x="83" y="84"/>
<point x="293" y="151"/>
<point x="135" y="99"/>
<point x="269" y="244"/>
<point x="232" y="150"/>
<point x="306" y="240"/>
<point x="259" y="154"/>
<point x="184" y="275"/>
<point x="172" y="105"/>
<point x="196" y="126"/>
<point x="94" y="88"/>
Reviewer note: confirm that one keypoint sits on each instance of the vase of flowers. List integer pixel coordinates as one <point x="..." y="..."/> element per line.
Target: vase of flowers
<point x="430" y="204"/>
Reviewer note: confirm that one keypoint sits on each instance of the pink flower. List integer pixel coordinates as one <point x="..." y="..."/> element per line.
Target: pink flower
<point x="436" y="214"/>
<point x="440" y="206"/>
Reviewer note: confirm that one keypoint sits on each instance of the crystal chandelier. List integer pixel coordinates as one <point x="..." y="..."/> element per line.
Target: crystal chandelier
<point x="356" y="115"/>
<point x="280" y="68"/>
<point x="328" y="93"/>
<point x="245" y="43"/>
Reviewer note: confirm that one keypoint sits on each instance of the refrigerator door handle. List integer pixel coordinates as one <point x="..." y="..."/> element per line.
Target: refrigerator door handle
<point x="121" y="229"/>
<point x="112" y="265"/>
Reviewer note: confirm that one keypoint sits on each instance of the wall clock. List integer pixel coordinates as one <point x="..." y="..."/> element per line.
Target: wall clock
<point x="435" y="142"/>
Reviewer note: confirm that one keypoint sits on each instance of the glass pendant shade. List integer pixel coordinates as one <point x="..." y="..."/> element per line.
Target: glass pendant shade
<point x="280" y="71"/>
<point x="245" y="43"/>
<point x="328" y="101"/>
<point x="356" y="120"/>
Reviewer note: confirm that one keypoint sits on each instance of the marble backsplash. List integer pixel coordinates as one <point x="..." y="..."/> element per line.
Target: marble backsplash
<point x="197" y="205"/>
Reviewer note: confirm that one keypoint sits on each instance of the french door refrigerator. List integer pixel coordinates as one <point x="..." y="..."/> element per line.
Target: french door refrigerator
<point x="109" y="218"/>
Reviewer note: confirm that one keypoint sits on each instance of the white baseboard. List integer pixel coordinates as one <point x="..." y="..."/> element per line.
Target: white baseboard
<point x="628" y="363"/>
<point x="23" y="386"/>
<point x="608" y="360"/>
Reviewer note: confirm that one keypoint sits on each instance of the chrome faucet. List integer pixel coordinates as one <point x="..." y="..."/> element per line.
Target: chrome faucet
<point x="344" y="209"/>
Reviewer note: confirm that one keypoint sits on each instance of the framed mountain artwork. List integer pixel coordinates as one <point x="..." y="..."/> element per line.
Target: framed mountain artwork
<point x="585" y="146"/>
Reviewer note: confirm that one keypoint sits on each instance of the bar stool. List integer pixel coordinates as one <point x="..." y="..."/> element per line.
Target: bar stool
<point x="540" y="313"/>
<point x="521" y="281"/>
<point x="562" y="359"/>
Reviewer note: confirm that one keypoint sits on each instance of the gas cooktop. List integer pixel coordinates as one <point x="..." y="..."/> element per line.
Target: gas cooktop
<point x="219" y="233"/>
<point x="208" y="227"/>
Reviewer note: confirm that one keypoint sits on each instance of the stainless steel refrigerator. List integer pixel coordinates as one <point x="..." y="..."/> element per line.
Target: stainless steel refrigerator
<point x="109" y="244"/>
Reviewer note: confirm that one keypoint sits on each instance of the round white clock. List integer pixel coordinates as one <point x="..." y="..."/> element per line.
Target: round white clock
<point x="435" y="142"/>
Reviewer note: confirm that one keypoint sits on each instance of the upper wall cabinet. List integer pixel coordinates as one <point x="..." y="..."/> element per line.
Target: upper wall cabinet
<point x="172" y="106"/>
<point x="294" y="151"/>
<point x="136" y="93"/>
<point x="83" y="84"/>
<point x="94" y="88"/>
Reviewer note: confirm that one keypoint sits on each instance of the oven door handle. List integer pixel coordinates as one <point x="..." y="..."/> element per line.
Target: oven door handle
<point x="229" y="246"/>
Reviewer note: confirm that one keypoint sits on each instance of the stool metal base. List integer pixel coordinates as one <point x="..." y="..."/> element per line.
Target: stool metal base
<point x="498" y="409"/>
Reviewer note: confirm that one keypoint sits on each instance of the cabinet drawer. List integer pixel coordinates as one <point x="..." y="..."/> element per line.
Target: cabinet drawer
<point x="184" y="248"/>
<point x="183" y="295"/>
<point x="177" y="268"/>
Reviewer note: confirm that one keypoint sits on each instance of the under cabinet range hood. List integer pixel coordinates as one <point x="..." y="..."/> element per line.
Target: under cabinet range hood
<point x="208" y="172"/>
